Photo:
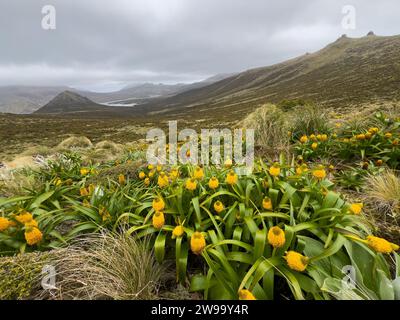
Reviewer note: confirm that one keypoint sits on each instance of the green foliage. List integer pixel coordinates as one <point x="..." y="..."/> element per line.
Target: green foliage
<point x="20" y="275"/>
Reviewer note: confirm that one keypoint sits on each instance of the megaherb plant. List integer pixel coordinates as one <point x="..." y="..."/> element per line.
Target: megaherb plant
<point x="280" y="231"/>
<point x="280" y="224"/>
<point x="377" y="144"/>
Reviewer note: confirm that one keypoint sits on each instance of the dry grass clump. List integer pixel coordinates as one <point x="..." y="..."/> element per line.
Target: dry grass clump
<point x="75" y="142"/>
<point x="106" y="266"/>
<point x="382" y="194"/>
<point x="271" y="129"/>
<point x="102" y="152"/>
<point x="109" y="145"/>
<point x="18" y="182"/>
<point x="309" y="119"/>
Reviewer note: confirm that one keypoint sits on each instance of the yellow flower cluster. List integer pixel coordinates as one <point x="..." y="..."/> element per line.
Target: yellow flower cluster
<point x="158" y="220"/>
<point x="4" y="224"/>
<point x="296" y="261"/>
<point x="381" y="245"/>
<point x="245" y="294"/>
<point x="231" y="178"/>
<point x="33" y="236"/>
<point x="276" y="237"/>
<point x="197" y="243"/>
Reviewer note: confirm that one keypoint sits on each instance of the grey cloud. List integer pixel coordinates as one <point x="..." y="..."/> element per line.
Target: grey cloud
<point x="110" y="43"/>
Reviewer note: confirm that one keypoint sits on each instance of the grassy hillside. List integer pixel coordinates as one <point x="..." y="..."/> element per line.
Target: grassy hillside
<point x="346" y="72"/>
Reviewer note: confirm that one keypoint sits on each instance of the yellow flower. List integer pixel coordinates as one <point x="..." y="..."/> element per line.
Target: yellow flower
<point x="228" y="163"/>
<point x="159" y="168"/>
<point x="33" y="236"/>
<point x="158" y="220"/>
<point x="304" y="139"/>
<point x="319" y="173"/>
<point x="91" y="188"/>
<point x="191" y="184"/>
<point x="296" y="261"/>
<point x="331" y="167"/>
<point x="231" y="178"/>
<point x="360" y="136"/>
<point x="356" y="208"/>
<point x="174" y="174"/>
<point x="245" y="294"/>
<point x="178" y="231"/>
<point x="368" y="135"/>
<point x="84" y="171"/>
<point x="197" y="243"/>
<point x="198" y="173"/>
<point x="300" y="170"/>
<point x="121" y="179"/>
<point x="150" y="167"/>
<point x="388" y="135"/>
<point x="213" y="183"/>
<point x="86" y="203"/>
<point x="275" y="170"/>
<point x="104" y="213"/>
<point x="24" y="217"/>
<point x="158" y="204"/>
<point x="267" y="204"/>
<point x="379" y="162"/>
<point x="57" y="182"/>
<point x="4" y="224"/>
<point x="219" y="206"/>
<point x="142" y="175"/>
<point x="162" y="180"/>
<point x="276" y="237"/>
<point x="32" y="223"/>
<point x="313" y="137"/>
<point x="381" y="245"/>
<point x="146" y="181"/>
<point x="373" y="130"/>
<point x="322" y="137"/>
<point x="151" y="174"/>
<point x="84" y="192"/>
<point x="314" y="146"/>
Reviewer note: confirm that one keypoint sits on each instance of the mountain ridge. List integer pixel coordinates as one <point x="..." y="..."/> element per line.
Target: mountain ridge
<point x="345" y="72"/>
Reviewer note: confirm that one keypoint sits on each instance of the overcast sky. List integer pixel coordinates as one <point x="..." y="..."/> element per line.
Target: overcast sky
<point x="102" y="45"/>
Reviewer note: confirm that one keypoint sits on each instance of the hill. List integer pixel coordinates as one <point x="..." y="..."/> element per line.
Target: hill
<point x="27" y="99"/>
<point x="73" y="104"/>
<point x="346" y="72"/>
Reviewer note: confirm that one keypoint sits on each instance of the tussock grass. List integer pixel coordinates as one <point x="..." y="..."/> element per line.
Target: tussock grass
<point x="106" y="266"/>
<point x="78" y="142"/>
<point x="383" y="191"/>
<point x="309" y="119"/>
<point x="271" y="129"/>
<point x="382" y="195"/>
<point x="17" y="182"/>
<point x="109" y="145"/>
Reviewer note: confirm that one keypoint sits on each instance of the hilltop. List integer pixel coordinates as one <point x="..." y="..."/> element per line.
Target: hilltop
<point x="71" y="103"/>
<point x="347" y="72"/>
